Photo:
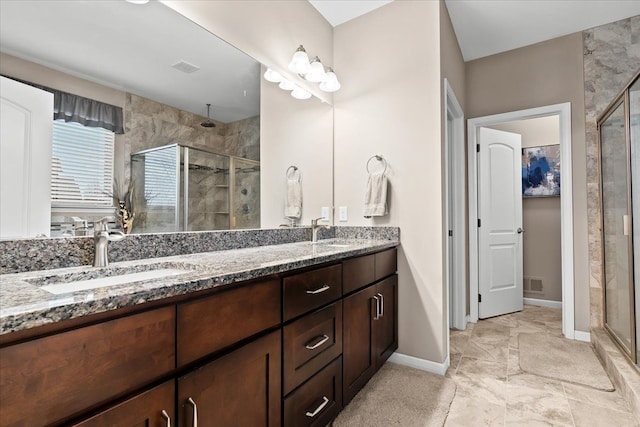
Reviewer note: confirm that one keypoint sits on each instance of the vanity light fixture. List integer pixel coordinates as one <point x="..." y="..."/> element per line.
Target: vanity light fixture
<point x="330" y="83"/>
<point x="287" y="85"/>
<point x="272" y="76"/>
<point x="300" y="93"/>
<point x="137" y="1"/>
<point x="300" y="62"/>
<point x="316" y="72"/>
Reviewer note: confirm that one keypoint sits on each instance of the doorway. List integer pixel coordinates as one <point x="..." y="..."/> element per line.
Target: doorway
<point x="563" y="112"/>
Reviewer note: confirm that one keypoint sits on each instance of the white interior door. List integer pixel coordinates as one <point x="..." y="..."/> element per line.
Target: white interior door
<point x="26" y="123"/>
<point x="500" y="223"/>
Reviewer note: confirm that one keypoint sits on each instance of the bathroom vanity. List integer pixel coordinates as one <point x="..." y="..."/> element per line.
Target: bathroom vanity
<point x="273" y="335"/>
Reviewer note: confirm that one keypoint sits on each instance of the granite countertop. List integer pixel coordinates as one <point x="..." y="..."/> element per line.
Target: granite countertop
<point x="24" y="305"/>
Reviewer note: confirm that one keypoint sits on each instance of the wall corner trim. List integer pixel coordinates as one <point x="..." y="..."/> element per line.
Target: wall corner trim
<point x="582" y="336"/>
<point x="422" y="364"/>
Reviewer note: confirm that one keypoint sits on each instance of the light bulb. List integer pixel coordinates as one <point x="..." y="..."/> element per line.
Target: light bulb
<point x="272" y="76"/>
<point x="330" y="83"/>
<point x="316" y="74"/>
<point x="286" y="85"/>
<point x="300" y="93"/>
<point x="300" y="62"/>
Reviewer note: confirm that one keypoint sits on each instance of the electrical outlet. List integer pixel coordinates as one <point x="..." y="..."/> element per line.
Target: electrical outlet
<point x="324" y="213"/>
<point x="343" y="213"/>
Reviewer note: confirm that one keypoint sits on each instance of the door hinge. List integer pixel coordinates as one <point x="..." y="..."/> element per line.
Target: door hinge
<point x="478" y="222"/>
<point x="478" y="148"/>
<point x="450" y="233"/>
<point x="479" y="297"/>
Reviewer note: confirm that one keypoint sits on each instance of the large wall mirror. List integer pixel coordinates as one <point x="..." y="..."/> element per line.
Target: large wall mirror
<point x="191" y="167"/>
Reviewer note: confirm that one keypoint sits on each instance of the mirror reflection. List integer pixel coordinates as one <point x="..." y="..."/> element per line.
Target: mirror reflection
<point x="180" y="164"/>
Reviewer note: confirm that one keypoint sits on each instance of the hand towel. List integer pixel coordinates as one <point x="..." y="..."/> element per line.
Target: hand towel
<point x="375" y="198"/>
<point x="293" y="202"/>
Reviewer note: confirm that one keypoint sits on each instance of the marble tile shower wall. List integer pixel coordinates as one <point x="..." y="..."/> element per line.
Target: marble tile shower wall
<point x="611" y="58"/>
<point x="45" y="254"/>
<point x="150" y="124"/>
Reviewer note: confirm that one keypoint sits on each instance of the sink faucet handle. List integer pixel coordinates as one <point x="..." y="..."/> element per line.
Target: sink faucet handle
<point x="314" y="222"/>
<point x="102" y="224"/>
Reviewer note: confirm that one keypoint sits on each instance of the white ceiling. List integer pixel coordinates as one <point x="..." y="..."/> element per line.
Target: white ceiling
<point x="132" y="48"/>
<point x="487" y="27"/>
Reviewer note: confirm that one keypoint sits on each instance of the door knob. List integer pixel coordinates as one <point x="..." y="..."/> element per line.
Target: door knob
<point x="520" y="230"/>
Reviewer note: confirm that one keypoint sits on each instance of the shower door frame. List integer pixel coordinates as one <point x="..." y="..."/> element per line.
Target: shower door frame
<point x="621" y="98"/>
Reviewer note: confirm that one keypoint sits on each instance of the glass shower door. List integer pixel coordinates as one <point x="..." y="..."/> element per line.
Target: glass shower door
<point x="616" y="227"/>
<point x="245" y="194"/>
<point x="634" y="137"/>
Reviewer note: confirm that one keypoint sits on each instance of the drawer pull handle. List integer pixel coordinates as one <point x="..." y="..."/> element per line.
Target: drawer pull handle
<point x="323" y="339"/>
<point x="195" y="412"/>
<point x="319" y="290"/>
<point x="319" y="408"/>
<point x="381" y="304"/>
<point x="377" y="316"/>
<point x="166" y="417"/>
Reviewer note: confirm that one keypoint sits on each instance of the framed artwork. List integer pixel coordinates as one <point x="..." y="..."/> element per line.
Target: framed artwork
<point x="541" y="171"/>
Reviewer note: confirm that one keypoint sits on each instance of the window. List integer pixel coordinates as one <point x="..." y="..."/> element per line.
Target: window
<point x="81" y="167"/>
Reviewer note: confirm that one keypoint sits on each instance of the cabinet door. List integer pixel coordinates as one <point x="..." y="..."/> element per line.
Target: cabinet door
<point x="359" y="358"/>
<point x="153" y="408"/>
<point x="241" y="388"/>
<point x="386" y="327"/>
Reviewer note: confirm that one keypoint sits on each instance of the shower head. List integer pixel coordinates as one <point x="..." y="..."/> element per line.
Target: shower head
<point x="208" y="123"/>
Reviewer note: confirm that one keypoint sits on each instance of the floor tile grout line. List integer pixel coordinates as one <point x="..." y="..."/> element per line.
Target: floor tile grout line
<point x="564" y="391"/>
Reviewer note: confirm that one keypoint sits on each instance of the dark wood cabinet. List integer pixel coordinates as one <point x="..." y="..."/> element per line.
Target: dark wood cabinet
<point x="210" y="324"/>
<point x="310" y="343"/>
<point x="153" y="408"/>
<point x="358" y="345"/>
<point x="370" y="326"/>
<point x="239" y="389"/>
<point x="307" y="291"/>
<point x="318" y="401"/>
<point x="287" y="350"/>
<point x="51" y="379"/>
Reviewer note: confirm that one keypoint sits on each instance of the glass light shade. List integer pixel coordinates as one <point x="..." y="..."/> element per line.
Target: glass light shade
<point x="300" y="93"/>
<point x="300" y="62"/>
<point x="138" y="1"/>
<point x="286" y="85"/>
<point x="316" y="74"/>
<point x="330" y="83"/>
<point x="272" y="76"/>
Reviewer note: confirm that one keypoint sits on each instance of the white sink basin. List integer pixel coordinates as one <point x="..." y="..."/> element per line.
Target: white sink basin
<point x="101" y="282"/>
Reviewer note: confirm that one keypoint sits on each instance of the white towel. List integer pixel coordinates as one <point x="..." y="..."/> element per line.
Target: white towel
<point x="293" y="201"/>
<point x="375" y="198"/>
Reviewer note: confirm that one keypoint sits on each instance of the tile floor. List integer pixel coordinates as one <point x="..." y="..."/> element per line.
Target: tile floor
<point x="493" y="391"/>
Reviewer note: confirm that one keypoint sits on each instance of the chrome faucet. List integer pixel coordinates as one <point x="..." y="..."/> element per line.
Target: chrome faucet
<point x="101" y="237"/>
<point x="315" y="227"/>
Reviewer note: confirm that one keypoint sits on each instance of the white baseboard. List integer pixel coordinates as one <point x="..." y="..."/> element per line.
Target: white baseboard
<point x="543" y="303"/>
<point x="422" y="364"/>
<point x="582" y="336"/>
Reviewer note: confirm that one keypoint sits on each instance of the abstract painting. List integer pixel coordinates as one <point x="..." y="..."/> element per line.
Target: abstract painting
<point x="541" y="171"/>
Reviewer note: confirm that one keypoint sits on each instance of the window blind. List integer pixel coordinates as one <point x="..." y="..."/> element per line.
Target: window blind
<point x="160" y="178"/>
<point x="81" y="166"/>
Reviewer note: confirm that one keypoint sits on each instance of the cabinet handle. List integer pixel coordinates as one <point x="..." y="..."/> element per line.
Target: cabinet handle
<point x="195" y="412"/>
<point x="323" y="339"/>
<point x="319" y="290"/>
<point x="377" y="316"/>
<point x="319" y="408"/>
<point x="166" y="417"/>
<point x="381" y="304"/>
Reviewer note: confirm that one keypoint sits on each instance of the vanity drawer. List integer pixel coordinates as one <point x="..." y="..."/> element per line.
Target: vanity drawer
<point x="48" y="380"/>
<point x="358" y="272"/>
<point x="386" y="263"/>
<point x="318" y="401"/>
<point x="310" y="343"/>
<point x="305" y="291"/>
<point x="210" y="324"/>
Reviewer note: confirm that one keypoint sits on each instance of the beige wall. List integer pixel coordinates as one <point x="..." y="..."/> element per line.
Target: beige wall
<point x="389" y="104"/>
<point x="540" y="215"/>
<point x="269" y="31"/>
<point x="542" y="74"/>
<point x="294" y="132"/>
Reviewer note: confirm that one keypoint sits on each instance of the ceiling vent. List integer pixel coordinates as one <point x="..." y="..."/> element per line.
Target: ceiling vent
<point x="185" y="67"/>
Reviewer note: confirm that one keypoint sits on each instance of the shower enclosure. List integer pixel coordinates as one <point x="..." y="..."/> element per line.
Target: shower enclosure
<point x="181" y="188"/>
<point x="619" y="131"/>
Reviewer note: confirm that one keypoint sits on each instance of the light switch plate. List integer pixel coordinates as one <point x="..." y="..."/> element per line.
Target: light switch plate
<point x="324" y="213"/>
<point x="343" y="213"/>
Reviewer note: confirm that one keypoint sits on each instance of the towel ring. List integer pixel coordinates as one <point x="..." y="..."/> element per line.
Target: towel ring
<point x="378" y="158"/>
<point x="291" y="170"/>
